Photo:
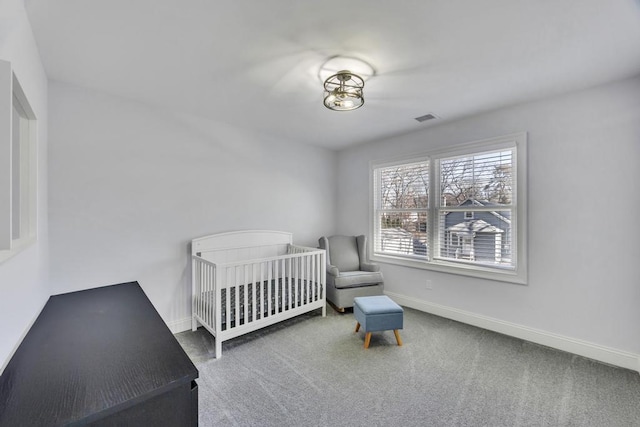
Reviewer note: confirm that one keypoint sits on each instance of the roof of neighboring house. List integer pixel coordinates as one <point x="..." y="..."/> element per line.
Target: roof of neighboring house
<point x="474" y="226"/>
<point x="486" y="203"/>
<point x="395" y="233"/>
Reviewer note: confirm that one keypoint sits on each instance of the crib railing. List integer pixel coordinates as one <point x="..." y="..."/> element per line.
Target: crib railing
<point x="233" y="298"/>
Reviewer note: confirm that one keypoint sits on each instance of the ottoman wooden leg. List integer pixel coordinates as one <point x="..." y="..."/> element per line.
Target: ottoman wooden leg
<point x="367" y="339"/>
<point x="398" y="339"/>
<point x="357" y="326"/>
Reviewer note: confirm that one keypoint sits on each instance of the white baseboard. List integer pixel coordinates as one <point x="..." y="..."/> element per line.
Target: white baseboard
<point x="582" y="348"/>
<point x="180" y="325"/>
<point x="22" y="336"/>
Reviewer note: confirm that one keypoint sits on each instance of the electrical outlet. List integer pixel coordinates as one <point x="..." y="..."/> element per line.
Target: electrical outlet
<point x="429" y="284"/>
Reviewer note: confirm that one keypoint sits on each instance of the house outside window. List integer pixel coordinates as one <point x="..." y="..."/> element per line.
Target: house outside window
<point x="460" y="210"/>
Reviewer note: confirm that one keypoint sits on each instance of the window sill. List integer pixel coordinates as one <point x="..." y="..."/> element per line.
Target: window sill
<point x="17" y="246"/>
<point x="509" y="276"/>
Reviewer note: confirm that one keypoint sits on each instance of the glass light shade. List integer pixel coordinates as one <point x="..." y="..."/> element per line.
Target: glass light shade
<point x="343" y="91"/>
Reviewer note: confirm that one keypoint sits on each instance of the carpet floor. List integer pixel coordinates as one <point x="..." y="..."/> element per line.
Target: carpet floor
<point x="314" y="371"/>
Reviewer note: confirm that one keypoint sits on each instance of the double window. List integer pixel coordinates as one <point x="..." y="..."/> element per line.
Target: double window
<point x="460" y="210"/>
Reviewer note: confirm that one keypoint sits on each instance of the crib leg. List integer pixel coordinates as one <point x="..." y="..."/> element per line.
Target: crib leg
<point x="218" y="348"/>
<point x="324" y="310"/>
<point x="194" y="324"/>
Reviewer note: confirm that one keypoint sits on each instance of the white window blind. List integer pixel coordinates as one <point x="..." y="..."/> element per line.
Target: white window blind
<point x="401" y="213"/>
<point x="475" y="209"/>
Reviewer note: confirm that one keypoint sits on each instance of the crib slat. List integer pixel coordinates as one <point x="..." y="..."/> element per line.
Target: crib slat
<point x="207" y="301"/>
<point x="254" y="291"/>
<point x="236" y="318"/>
<point x="316" y="276"/>
<point x="211" y="292"/>
<point x="274" y="265"/>
<point x="298" y="280"/>
<point x="314" y="282"/>
<point x="200" y="279"/>
<point x="289" y="284"/>
<point x="197" y="290"/>
<point x="227" y="298"/>
<point x="251" y="296"/>
<point x="202" y="309"/>
<point x="307" y="278"/>
<point x="194" y="292"/>
<point x="264" y="304"/>
<point x="245" y="295"/>
<point x="279" y="286"/>
<point x="232" y="291"/>
<point x="292" y="284"/>
<point x="204" y="277"/>
<point x="312" y="277"/>
<point x="299" y="284"/>
<point x="204" y="282"/>
<point x="284" y="290"/>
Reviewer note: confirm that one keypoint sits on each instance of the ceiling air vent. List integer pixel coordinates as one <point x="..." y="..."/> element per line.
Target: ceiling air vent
<point x="426" y="117"/>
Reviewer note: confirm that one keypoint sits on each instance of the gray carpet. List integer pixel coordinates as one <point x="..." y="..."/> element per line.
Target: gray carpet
<point x="314" y="371"/>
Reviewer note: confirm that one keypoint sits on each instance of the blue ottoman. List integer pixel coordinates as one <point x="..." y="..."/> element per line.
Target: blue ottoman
<point x="378" y="313"/>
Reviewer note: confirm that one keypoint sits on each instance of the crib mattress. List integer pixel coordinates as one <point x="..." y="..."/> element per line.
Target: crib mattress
<point x="299" y="296"/>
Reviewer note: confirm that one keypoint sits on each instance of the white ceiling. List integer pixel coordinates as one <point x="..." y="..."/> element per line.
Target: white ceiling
<point x="254" y="63"/>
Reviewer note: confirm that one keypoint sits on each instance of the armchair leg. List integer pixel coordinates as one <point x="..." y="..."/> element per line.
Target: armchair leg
<point x="357" y="326"/>
<point x="338" y="309"/>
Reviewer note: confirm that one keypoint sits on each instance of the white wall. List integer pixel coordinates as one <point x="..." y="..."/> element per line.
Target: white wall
<point x="584" y="254"/>
<point x="23" y="278"/>
<point x="131" y="185"/>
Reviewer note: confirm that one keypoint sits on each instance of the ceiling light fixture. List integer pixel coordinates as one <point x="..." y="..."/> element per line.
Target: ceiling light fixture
<point x="343" y="91"/>
<point x="343" y="78"/>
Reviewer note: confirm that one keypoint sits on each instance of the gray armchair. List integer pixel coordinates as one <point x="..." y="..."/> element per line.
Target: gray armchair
<point x="349" y="275"/>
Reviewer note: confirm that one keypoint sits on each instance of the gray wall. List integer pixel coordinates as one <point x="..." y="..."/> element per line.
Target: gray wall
<point x="131" y="185"/>
<point x="23" y="278"/>
<point x="583" y="152"/>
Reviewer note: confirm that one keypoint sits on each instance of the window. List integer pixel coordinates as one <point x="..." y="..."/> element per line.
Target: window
<point x="461" y="210"/>
<point x="18" y="171"/>
<point x="402" y="192"/>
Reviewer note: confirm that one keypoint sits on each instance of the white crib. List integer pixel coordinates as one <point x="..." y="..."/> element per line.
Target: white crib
<point x="245" y="280"/>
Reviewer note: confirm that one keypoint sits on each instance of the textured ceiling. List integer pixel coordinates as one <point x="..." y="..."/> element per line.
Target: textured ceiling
<point x="254" y="64"/>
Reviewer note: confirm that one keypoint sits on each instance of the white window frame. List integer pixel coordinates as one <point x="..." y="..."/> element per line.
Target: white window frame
<point x="517" y="274"/>
<point x="18" y="168"/>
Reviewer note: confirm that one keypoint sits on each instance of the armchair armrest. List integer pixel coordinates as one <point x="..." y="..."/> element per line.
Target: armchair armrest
<point x="369" y="266"/>
<point x="333" y="270"/>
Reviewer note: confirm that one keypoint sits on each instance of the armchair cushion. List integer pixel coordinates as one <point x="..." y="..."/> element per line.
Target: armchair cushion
<point x="344" y="253"/>
<point x="352" y="279"/>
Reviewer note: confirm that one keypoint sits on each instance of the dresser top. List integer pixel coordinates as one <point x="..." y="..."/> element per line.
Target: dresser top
<point x="90" y="354"/>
